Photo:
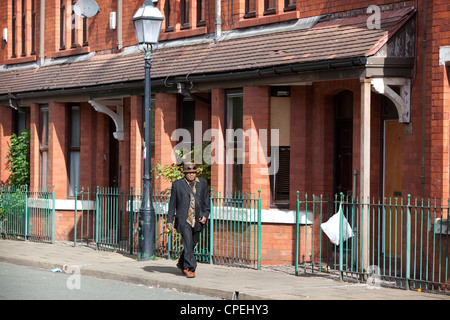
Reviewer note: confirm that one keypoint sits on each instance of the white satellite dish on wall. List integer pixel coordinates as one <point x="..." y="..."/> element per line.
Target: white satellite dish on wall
<point x="86" y="8"/>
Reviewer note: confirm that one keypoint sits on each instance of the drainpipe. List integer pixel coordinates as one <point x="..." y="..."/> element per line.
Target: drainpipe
<point x="218" y="19"/>
<point x="119" y="24"/>
<point x="42" y="33"/>
<point x="424" y="74"/>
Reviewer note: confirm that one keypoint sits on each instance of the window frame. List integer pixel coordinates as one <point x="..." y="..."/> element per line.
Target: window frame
<point x="201" y="15"/>
<point x="43" y="146"/>
<point x="184" y="14"/>
<point x="235" y="169"/>
<point x="73" y="149"/>
<point x="13" y="28"/>
<point x="62" y="24"/>
<point x="250" y="13"/>
<point x="290" y="6"/>
<point x="268" y="9"/>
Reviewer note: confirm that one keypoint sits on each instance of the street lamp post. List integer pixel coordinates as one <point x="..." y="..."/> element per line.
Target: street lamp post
<point x="147" y="24"/>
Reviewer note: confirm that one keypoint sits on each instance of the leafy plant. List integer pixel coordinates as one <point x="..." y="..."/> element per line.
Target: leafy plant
<point x="18" y="158"/>
<point x="174" y="172"/>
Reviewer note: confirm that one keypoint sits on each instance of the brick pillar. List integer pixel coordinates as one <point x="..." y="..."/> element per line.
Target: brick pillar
<point x="300" y="157"/>
<point x="87" y="157"/>
<point x="218" y="140"/>
<point x="6" y="129"/>
<point x="125" y="147"/>
<point x="256" y="117"/>
<point x="57" y="150"/>
<point x="136" y="142"/>
<point x="34" y="146"/>
<point x="165" y="124"/>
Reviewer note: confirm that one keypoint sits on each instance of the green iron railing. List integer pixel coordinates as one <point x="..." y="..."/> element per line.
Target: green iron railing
<point x="27" y="214"/>
<point x="231" y="236"/>
<point x="108" y="219"/>
<point x="395" y="242"/>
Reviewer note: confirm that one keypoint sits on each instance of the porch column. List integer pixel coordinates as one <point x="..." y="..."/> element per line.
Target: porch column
<point x="57" y="149"/>
<point x="6" y="130"/>
<point x="256" y="116"/>
<point x="365" y="171"/>
<point x="165" y="125"/>
<point x="136" y="142"/>
<point x="300" y="157"/>
<point x="34" y="146"/>
<point x="218" y="140"/>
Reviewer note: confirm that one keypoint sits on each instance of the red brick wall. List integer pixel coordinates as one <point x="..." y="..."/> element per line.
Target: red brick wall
<point x="34" y="146"/>
<point x="256" y="117"/>
<point x="87" y="139"/>
<point x="136" y="142"/>
<point x="301" y="157"/>
<point x="6" y="129"/>
<point x="165" y="124"/>
<point x="57" y="149"/>
<point x="218" y="123"/>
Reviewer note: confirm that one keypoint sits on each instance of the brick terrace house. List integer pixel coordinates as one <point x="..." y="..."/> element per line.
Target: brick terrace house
<point x="360" y="97"/>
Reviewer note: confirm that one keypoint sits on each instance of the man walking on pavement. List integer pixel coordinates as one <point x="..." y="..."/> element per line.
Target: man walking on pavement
<point x="189" y="205"/>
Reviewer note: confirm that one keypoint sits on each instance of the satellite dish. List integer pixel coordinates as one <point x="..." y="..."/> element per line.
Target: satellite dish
<point x="86" y="8"/>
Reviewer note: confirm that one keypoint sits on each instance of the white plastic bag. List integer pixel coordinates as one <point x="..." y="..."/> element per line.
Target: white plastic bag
<point x="331" y="227"/>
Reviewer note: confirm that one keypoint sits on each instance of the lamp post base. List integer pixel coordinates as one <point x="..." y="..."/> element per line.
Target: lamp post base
<point x="146" y="234"/>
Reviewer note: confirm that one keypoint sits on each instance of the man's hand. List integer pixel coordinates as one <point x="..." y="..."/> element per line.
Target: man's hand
<point x="202" y="220"/>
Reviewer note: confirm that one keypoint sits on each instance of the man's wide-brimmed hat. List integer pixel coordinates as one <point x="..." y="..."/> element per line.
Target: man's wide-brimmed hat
<point x="189" y="167"/>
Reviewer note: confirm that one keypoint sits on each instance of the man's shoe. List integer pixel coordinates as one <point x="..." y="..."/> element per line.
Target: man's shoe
<point x="181" y="268"/>
<point x="190" y="274"/>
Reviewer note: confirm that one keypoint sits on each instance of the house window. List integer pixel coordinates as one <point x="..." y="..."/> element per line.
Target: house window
<point x="13" y="29"/>
<point x="85" y="35"/>
<point x="250" y="8"/>
<point x="186" y="116"/>
<point x="23" y="27"/>
<point x="280" y="110"/>
<point x="20" y="120"/>
<point x="201" y="21"/>
<point x="72" y="29"/>
<point x="62" y="24"/>
<point x="184" y="14"/>
<point x="234" y="142"/>
<point x="73" y="34"/>
<point x="43" y="147"/>
<point x="33" y="27"/>
<point x="269" y="7"/>
<point x="167" y="14"/>
<point x="281" y="180"/>
<point x="289" y="5"/>
<point x="74" y="148"/>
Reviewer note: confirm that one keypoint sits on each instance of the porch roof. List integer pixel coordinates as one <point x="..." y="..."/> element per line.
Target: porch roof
<point x="325" y="41"/>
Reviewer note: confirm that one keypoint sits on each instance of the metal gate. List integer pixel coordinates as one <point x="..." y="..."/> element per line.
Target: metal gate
<point x="396" y="242"/>
<point x="108" y="219"/>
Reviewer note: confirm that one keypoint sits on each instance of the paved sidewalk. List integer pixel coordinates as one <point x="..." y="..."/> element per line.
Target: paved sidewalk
<point x="213" y="280"/>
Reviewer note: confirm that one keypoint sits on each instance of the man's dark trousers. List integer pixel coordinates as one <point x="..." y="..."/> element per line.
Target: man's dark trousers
<point x="190" y="238"/>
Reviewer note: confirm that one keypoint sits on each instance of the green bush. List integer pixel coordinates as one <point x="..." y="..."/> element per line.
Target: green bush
<point x="18" y="158"/>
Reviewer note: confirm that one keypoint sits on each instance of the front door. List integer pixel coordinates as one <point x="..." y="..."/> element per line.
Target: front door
<point x="392" y="185"/>
<point x="343" y="143"/>
<point x="114" y="170"/>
